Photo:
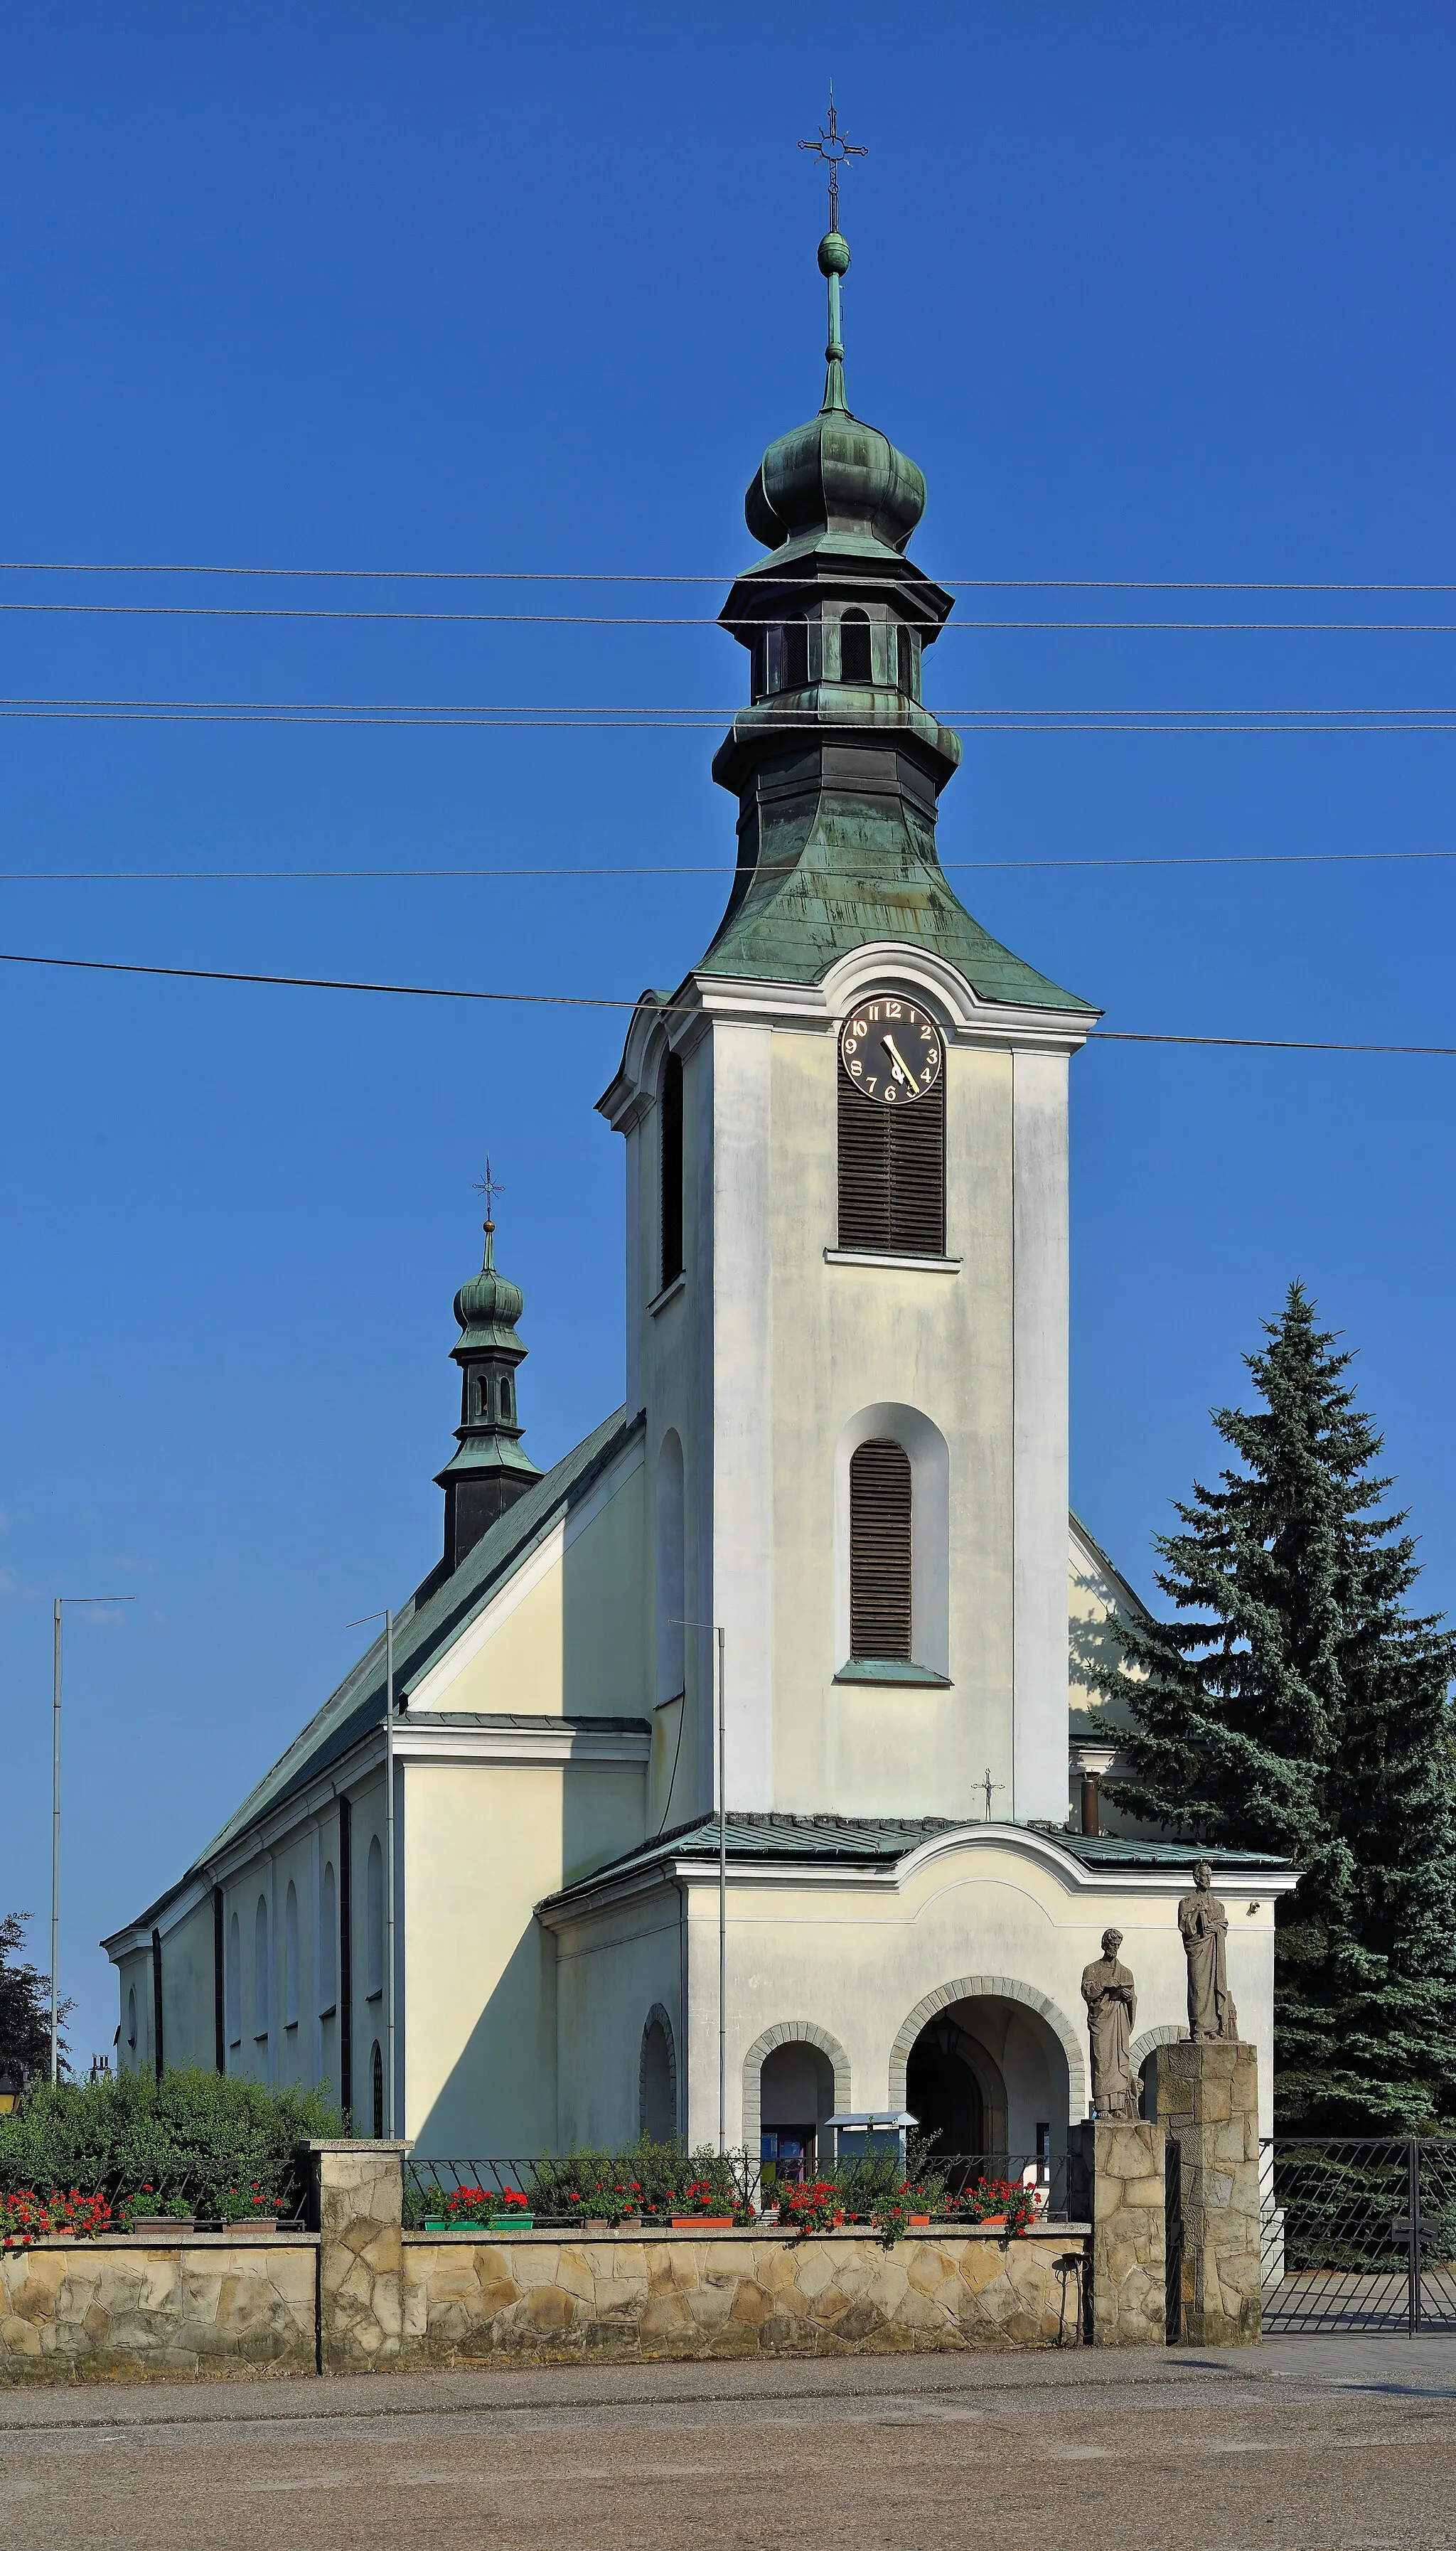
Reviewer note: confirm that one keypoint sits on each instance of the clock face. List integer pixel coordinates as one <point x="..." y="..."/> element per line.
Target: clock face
<point x="892" y="1049"/>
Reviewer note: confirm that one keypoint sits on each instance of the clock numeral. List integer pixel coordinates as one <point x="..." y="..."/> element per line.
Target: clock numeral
<point x="895" y="1009"/>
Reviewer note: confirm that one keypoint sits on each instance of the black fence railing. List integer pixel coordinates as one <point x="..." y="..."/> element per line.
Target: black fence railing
<point x="1358" y="2234"/>
<point x="211" y="2194"/>
<point x="655" y="2185"/>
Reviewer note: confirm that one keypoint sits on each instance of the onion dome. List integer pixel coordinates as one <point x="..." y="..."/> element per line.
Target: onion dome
<point x="488" y="1307"/>
<point x="835" y="473"/>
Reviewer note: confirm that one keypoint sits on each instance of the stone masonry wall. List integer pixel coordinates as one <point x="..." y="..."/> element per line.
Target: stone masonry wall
<point x="1118" y="2176"/>
<point x="537" y="2296"/>
<point x="205" y="2304"/>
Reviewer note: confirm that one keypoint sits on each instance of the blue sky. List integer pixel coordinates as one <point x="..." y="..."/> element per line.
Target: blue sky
<point x="1147" y="293"/>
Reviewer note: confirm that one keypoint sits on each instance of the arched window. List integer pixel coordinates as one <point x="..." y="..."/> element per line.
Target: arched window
<point x="669" y="1125"/>
<point x="855" y="664"/>
<point x="262" y="1997"/>
<point x="905" y="657"/>
<point x="659" y="2082"/>
<point x="290" y="1957"/>
<point x="880" y="1551"/>
<point x="132" y="2019"/>
<point x="375" y="1921"/>
<point x="377" y="2090"/>
<point x="328" y="1942"/>
<point x="795" y="654"/>
<point x="891" y="1172"/>
<point x="235" y="1982"/>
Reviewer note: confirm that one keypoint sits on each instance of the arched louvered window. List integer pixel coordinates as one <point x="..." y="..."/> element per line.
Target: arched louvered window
<point x="892" y="1173"/>
<point x="670" y="1126"/>
<point x="904" y="657"/>
<point x="880" y="1550"/>
<point x="794" y="657"/>
<point x="855" y="662"/>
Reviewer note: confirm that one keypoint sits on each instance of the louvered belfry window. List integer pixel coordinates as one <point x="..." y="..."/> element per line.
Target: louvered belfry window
<point x="880" y="1550"/>
<point x="892" y="1173"/>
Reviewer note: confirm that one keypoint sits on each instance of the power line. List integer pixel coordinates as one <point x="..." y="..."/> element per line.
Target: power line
<point x="605" y="1001"/>
<point x="486" y="717"/>
<point x="709" y="620"/>
<point x="705" y="869"/>
<point x="623" y="576"/>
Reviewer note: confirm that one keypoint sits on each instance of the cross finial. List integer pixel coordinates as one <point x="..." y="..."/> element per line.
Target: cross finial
<point x="988" y="1784"/>
<point x="834" y="147"/>
<point x="490" y="1188"/>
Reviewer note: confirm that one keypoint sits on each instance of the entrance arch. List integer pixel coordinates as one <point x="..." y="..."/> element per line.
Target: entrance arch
<point x="1008" y="2041"/>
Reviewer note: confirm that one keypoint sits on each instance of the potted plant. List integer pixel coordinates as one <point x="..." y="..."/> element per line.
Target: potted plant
<point x="510" y="2210"/>
<point x="697" y="2198"/>
<point x="150" y="2217"/>
<point x="1000" y="2205"/>
<point x="248" y="2209"/>
<point x="814" y="2205"/>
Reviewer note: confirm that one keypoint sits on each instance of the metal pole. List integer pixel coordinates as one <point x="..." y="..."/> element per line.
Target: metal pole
<point x="1413" y="2200"/>
<point x="390" y="2127"/>
<point x="722" y="1909"/>
<point x="56" y="1842"/>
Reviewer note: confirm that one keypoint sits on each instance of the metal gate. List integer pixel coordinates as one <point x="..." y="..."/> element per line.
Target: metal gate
<point x="1359" y="2235"/>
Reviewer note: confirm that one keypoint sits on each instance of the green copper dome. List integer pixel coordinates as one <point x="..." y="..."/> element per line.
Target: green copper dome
<point x="488" y="1306"/>
<point x="835" y="473"/>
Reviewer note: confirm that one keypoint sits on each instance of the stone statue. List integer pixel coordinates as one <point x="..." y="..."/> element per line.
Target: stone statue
<point x="1205" y="1927"/>
<point x="1112" y="2008"/>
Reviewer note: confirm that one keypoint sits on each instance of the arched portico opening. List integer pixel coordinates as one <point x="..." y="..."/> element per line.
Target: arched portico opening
<point x="992" y="2073"/>
<point x="795" y="2076"/>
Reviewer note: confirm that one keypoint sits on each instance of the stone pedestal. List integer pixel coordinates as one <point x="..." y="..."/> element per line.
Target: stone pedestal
<point x="1116" y="2174"/>
<point x="1208" y="2101"/>
<point x="358" y="2194"/>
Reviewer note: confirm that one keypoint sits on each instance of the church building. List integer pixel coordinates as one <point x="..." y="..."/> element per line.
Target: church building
<point x="735" y="1775"/>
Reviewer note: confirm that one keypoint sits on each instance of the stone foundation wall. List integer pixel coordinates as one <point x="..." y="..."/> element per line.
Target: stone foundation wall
<point x="538" y="2297"/>
<point x="1117" y="2175"/>
<point x="1208" y="2101"/>
<point x="206" y="2304"/>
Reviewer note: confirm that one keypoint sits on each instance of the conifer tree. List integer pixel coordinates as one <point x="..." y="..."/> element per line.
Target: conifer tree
<point x="1293" y="1705"/>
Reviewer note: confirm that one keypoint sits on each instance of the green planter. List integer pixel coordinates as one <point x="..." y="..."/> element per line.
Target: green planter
<point x="515" y="2221"/>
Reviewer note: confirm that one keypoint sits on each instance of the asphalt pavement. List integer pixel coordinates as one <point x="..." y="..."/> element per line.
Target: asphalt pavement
<point x="1294" y="2446"/>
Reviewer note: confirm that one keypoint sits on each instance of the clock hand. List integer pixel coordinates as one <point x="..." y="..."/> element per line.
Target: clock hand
<point x="905" y="1074"/>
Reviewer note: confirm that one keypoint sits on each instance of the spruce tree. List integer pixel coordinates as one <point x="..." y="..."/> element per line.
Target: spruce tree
<point x="1293" y="1705"/>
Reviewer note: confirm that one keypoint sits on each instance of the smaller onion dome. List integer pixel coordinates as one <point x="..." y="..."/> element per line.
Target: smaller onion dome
<point x="488" y="1306"/>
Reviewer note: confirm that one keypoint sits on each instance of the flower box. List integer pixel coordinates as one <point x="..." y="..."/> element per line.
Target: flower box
<point x="919" y="2222"/>
<point x="517" y="2220"/>
<point x="156" y="2228"/>
<point x="702" y="2222"/>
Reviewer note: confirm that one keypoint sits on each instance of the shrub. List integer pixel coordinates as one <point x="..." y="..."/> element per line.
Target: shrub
<point x="193" y="2136"/>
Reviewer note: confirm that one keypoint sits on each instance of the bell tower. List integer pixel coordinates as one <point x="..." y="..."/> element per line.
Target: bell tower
<point x="850" y="1123"/>
<point x="488" y="1471"/>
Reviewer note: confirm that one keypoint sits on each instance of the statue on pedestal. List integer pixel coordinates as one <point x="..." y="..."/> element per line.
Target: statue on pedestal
<point x="1205" y="1927"/>
<point x="1110" y="1997"/>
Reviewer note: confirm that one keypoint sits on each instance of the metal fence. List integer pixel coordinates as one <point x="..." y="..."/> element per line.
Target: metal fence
<point x="580" y="2187"/>
<point x="1359" y="2235"/>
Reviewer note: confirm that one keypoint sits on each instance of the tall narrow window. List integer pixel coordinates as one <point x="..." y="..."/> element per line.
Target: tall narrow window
<point x="795" y="654"/>
<point x="854" y="648"/>
<point x="328" y="1942"/>
<point x="880" y="1550"/>
<point x="132" y="2019"/>
<point x="669" y="1113"/>
<point x="892" y="1130"/>
<point x="905" y="656"/>
<point x="290" y="1957"/>
<point x="375" y="1921"/>
<point x="262" y="1997"/>
<point x="376" y="2089"/>
<point x="235" y="1983"/>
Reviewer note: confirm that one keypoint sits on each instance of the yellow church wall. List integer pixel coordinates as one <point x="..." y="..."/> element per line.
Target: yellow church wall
<point x="134" y="1975"/>
<point x="484" y="1843"/>
<point x="565" y="1635"/>
<point x="847" y="1338"/>
<point x="189" y="2003"/>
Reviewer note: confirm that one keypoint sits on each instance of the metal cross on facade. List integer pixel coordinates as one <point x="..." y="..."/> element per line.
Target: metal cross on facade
<point x="987" y="1785"/>
<point x="835" y="148"/>
<point x="490" y="1188"/>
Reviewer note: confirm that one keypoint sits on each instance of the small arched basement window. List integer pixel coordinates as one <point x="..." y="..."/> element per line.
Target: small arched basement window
<point x="881" y="1552"/>
<point x="892" y="1173"/>
<point x="855" y="662"/>
<point x="670" y="1126"/>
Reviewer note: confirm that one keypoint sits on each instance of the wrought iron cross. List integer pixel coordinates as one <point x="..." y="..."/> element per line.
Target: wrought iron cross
<point x="490" y="1188"/>
<point x="835" y="148"/>
<point x="987" y="1785"/>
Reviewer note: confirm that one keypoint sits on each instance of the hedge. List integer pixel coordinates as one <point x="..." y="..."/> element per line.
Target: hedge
<point x="191" y="2137"/>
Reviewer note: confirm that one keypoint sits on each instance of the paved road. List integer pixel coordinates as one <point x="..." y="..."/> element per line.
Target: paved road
<point x="1304" y="2445"/>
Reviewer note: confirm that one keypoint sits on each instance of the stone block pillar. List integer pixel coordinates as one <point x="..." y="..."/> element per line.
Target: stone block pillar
<point x="1118" y="2176"/>
<point x="358" y="2205"/>
<point x="1208" y="2101"/>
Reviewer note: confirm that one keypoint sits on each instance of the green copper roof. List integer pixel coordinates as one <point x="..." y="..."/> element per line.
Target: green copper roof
<point x="487" y="1308"/>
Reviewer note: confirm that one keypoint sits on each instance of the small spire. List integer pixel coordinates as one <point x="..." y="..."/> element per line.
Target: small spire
<point x="490" y="1188"/>
<point x="835" y="149"/>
